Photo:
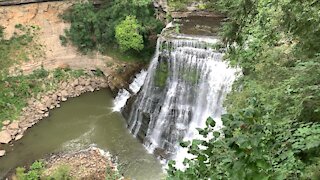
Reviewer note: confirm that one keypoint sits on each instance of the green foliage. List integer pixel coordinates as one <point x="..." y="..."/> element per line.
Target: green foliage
<point x="16" y="48"/>
<point x="98" y="72"/>
<point x="252" y="147"/>
<point x="62" y="173"/>
<point x="64" y="40"/>
<point x="16" y="90"/>
<point x="179" y="4"/>
<point x="112" y="174"/>
<point x="20" y="173"/>
<point x="83" y="20"/>
<point x="35" y="171"/>
<point x="272" y="127"/>
<point x="162" y="74"/>
<point x="95" y="28"/>
<point x="1" y="32"/>
<point x="127" y="34"/>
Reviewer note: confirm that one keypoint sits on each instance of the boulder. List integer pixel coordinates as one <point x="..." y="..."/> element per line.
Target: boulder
<point x="64" y="93"/>
<point x="75" y="83"/>
<point x="18" y="137"/>
<point x="14" y="125"/>
<point x="5" y="137"/>
<point x="6" y="123"/>
<point x="12" y="132"/>
<point x="91" y="88"/>
<point x="40" y="112"/>
<point x="2" y="153"/>
<point x="42" y="107"/>
<point x="54" y="97"/>
<point x="64" y="85"/>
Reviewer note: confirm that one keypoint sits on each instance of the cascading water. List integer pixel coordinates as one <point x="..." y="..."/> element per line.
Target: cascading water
<point x="123" y="95"/>
<point x="186" y="83"/>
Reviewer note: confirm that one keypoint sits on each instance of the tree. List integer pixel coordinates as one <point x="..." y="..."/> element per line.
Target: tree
<point x="272" y="128"/>
<point x="127" y="34"/>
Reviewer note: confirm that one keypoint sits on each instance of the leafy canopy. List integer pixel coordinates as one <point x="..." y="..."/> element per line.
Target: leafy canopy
<point x="272" y="126"/>
<point x="95" y="28"/>
<point x="127" y="34"/>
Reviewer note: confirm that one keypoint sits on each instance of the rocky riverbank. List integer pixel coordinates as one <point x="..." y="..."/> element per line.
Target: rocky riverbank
<point x="91" y="163"/>
<point x="38" y="107"/>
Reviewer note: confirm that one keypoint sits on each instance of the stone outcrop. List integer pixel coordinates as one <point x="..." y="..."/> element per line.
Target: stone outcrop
<point x="192" y="9"/>
<point x="38" y="107"/>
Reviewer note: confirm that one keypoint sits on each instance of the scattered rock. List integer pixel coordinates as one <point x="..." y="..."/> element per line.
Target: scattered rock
<point x="14" y="125"/>
<point x="37" y="108"/>
<point x="85" y="164"/>
<point x="40" y="112"/>
<point x="18" y="137"/>
<point x="64" y="85"/>
<point x="46" y="114"/>
<point x="64" y="93"/>
<point x="2" y="153"/>
<point x="5" y="137"/>
<point x="6" y="123"/>
<point x="12" y="132"/>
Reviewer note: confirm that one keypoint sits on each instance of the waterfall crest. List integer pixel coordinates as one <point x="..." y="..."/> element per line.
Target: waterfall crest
<point x="123" y="95"/>
<point x="186" y="83"/>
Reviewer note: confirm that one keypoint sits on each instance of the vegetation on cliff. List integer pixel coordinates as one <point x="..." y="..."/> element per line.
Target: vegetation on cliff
<point x="19" y="46"/>
<point x="100" y="28"/>
<point x="272" y="128"/>
<point x="16" y="90"/>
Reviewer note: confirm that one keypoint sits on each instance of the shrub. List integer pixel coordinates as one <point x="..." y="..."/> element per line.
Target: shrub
<point x="127" y="34"/>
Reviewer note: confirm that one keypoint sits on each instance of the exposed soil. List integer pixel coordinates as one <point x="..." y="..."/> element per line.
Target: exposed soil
<point x="46" y="17"/>
<point x="87" y="164"/>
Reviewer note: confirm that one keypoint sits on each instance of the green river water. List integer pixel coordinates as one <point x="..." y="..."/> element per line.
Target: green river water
<point x="79" y="123"/>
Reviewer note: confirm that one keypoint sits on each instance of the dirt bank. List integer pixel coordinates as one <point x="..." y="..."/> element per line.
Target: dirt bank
<point x="38" y="107"/>
<point x="46" y="16"/>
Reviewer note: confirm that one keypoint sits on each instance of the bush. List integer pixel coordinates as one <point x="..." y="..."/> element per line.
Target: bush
<point x="95" y="28"/>
<point x="272" y="128"/>
<point x="127" y="34"/>
<point x="62" y="173"/>
<point x="35" y="171"/>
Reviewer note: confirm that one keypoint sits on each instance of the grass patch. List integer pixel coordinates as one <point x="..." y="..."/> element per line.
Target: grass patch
<point x="36" y="170"/>
<point x="16" y="90"/>
<point x="21" y="47"/>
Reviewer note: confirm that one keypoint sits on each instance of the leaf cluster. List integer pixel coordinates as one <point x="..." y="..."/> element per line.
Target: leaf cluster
<point x="272" y="126"/>
<point x="94" y="28"/>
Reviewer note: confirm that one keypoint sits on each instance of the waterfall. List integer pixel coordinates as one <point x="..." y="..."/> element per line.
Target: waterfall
<point x="186" y="83"/>
<point x="123" y="95"/>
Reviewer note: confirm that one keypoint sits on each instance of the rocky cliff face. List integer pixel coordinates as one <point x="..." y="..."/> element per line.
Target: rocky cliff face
<point x="161" y="5"/>
<point x="192" y="9"/>
<point x="46" y="16"/>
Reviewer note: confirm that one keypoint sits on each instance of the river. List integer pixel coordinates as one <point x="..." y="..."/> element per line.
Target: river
<point x="79" y="123"/>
